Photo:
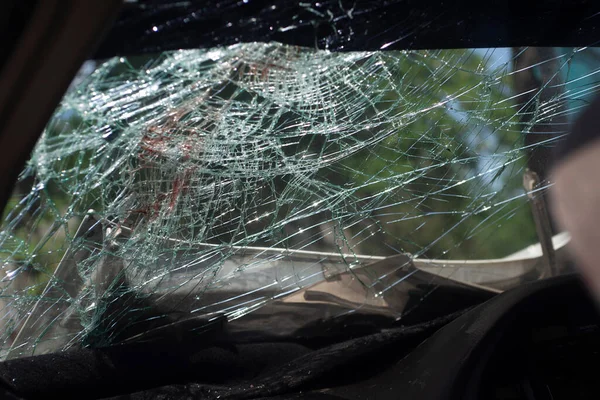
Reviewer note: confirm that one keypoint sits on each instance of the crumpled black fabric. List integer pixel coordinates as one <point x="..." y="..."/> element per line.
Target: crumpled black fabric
<point x="218" y="370"/>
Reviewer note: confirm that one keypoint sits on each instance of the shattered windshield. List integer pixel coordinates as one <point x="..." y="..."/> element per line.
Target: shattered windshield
<point x="218" y="183"/>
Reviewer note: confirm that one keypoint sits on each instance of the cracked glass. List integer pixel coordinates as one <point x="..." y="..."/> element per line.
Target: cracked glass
<point x="251" y="182"/>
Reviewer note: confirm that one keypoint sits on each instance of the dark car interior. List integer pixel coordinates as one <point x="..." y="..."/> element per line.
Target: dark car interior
<point x="537" y="341"/>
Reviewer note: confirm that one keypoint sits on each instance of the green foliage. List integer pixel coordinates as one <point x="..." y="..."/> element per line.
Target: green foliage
<point x="431" y="175"/>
